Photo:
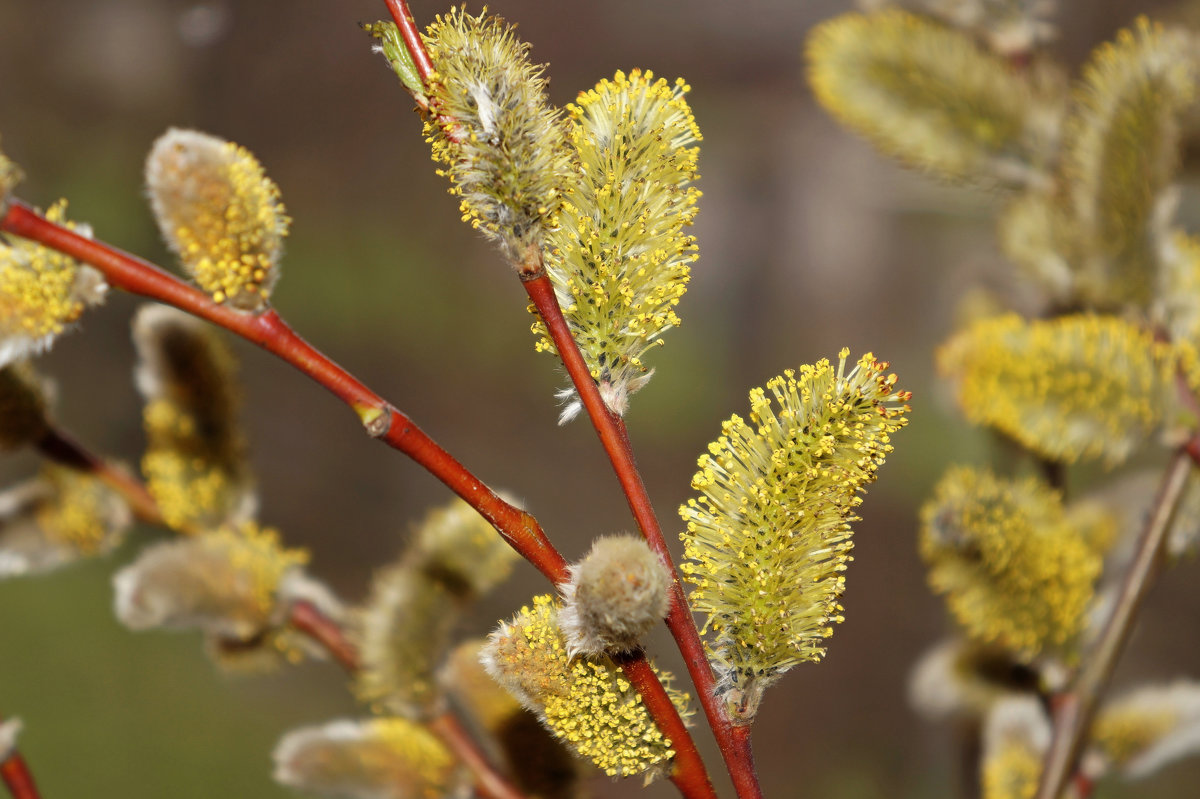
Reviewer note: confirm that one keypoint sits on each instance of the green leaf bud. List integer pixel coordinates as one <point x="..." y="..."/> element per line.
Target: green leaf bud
<point x="391" y="46"/>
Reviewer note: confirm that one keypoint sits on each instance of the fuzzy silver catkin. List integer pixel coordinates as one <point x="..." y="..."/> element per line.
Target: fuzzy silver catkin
<point x="614" y="597"/>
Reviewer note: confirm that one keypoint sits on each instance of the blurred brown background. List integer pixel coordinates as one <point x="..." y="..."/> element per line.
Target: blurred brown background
<point x="809" y="242"/>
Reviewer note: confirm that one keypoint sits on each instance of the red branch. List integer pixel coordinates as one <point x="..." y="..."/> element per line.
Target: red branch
<point x="735" y="746"/>
<point x="382" y="421"/>
<point x="1075" y="708"/>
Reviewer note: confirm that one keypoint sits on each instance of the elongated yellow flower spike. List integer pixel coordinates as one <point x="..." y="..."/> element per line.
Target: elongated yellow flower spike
<point x="930" y="96"/>
<point x="1015" y="571"/>
<point x="403" y="629"/>
<point x="500" y="142"/>
<point x="195" y="461"/>
<point x="768" y="539"/>
<point x="1121" y="152"/>
<point x="386" y="758"/>
<point x="1074" y="388"/>
<point x="56" y="518"/>
<point x="42" y="292"/>
<point x="621" y="257"/>
<point x="584" y="701"/>
<point x="219" y="213"/>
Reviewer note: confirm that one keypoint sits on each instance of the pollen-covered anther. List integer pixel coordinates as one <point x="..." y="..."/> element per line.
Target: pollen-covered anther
<point x="614" y="597"/>
<point x="219" y="213"/>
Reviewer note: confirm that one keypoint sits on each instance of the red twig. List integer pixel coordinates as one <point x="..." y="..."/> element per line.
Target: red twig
<point x="735" y="746"/>
<point x="1074" y="709"/>
<point x="17" y="777"/>
<point x="520" y="529"/>
<point x="59" y="447"/>
<point x="488" y="782"/>
<point x="306" y="618"/>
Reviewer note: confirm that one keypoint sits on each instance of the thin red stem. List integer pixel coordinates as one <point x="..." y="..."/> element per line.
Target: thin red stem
<point x="412" y="38"/>
<point x="1074" y="710"/>
<point x="17" y="776"/>
<point x="488" y="782"/>
<point x="734" y="746"/>
<point x="381" y="420"/>
<point x="59" y="447"/>
<point x="307" y="618"/>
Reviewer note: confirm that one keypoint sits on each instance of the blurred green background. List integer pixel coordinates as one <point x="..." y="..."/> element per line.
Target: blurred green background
<point x="809" y="242"/>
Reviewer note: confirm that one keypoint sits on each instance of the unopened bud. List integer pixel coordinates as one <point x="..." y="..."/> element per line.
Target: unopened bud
<point x="614" y="597"/>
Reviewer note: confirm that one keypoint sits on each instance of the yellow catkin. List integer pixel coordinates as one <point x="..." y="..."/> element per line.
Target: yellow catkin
<point x="407" y="621"/>
<point x="496" y="136"/>
<point x="383" y="757"/>
<point x="219" y="213"/>
<point x="1121" y="152"/>
<point x="41" y="292"/>
<point x="929" y="96"/>
<point x="195" y="461"/>
<point x="620" y="259"/>
<point x="1016" y="735"/>
<point x="768" y="537"/>
<point x="585" y="702"/>
<point x="1139" y="733"/>
<point x="1080" y="387"/>
<point x="225" y="581"/>
<point x="1015" y="572"/>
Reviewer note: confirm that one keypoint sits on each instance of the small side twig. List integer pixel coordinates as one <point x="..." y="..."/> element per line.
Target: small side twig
<point x="1074" y="709"/>
<point x="17" y="776"/>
